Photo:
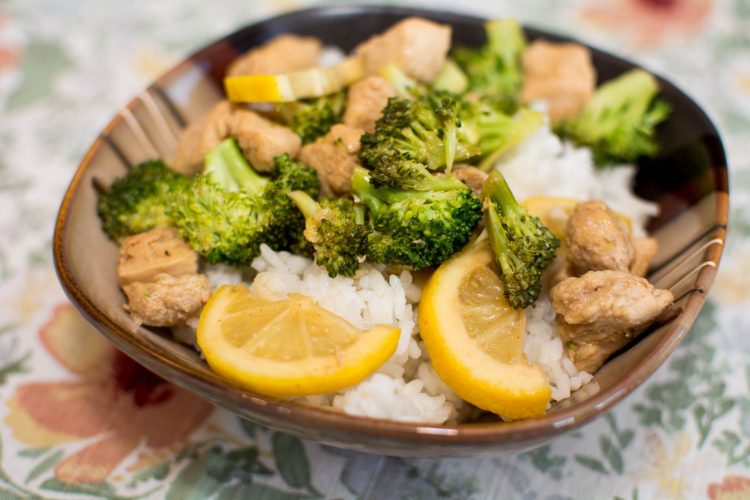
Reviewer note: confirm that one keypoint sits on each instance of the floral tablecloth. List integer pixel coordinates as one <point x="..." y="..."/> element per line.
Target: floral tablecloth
<point x="81" y="420"/>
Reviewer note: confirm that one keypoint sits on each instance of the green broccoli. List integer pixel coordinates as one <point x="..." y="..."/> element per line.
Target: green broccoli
<point x="523" y="246"/>
<point x="336" y="230"/>
<point x="422" y="130"/>
<point x="221" y="225"/>
<point x="451" y="78"/>
<point x="494" y="70"/>
<point x="313" y="118"/>
<point x="494" y="132"/>
<point x="618" y="122"/>
<point x="226" y="225"/>
<point x="416" y="229"/>
<point x="283" y="222"/>
<point x="138" y="201"/>
<point x="226" y="166"/>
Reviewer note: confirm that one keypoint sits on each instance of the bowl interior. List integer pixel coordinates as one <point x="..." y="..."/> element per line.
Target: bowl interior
<point x="688" y="180"/>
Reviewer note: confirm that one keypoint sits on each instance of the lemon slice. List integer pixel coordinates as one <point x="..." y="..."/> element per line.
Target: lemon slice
<point x="287" y="87"/>
<point x="554" y="212"/>
<point x="475" y="338"/>
<point x="290" y="347"/>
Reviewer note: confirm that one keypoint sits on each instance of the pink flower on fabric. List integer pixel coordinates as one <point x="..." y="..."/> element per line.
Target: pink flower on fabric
<point x="111" y="398"/>
<point x="649" y="22"/>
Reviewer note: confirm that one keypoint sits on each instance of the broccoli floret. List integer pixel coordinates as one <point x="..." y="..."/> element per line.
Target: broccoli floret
<point x="138" y="201"/>
<point x="494" y="70"/>
<point x="404" y="174"/>
<point x="283" y="222"/>
<point x="222" y="226"/>
<point x="493" y="131"/>
<point x="416" y="229"/>
<point x="523" y="246"/>
<point x="226" y="166"/>
<point x="313" y="118"/>
<point x="336" y="230"/>
<point x="422" y="130"/>
<point x="618" y="122"/>
<point x="229" y="226"/>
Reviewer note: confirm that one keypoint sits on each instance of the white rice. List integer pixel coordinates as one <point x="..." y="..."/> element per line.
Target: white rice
<point x="406" y="387"/>
<point x="545" y="165"/>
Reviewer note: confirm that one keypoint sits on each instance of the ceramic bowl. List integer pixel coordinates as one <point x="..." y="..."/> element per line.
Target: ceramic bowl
<point x="688" y="180"/>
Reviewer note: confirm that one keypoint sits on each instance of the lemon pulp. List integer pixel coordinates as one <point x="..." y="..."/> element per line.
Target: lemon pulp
<point x="475" y="338"/>
<point x="290" y="347"/>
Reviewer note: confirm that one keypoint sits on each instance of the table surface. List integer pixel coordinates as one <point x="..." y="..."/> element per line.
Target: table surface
<point x="75" y="426"/>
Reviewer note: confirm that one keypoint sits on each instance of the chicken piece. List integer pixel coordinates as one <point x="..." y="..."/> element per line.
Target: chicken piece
<point x="365" y="102"/>
<point x="260" y="139"/>
<point x="144" y="255"/>
<point x="200" y="137"/>
<point x="261" y="142"/>
<point x="644" y="250"/>
<point x="167" y="300"/>
<point x="601" y="311"/>
<point x="346" y="137"/>
<point x="334" y="158"/>
<point x="561" y="74"/>
<point x="471" y="176"/>
<point x="597" y="239"/>
<point x="283" y="54"/>
<point x="417" y="46"/>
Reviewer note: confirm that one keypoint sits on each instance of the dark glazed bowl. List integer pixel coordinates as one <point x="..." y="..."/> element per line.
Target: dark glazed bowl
<point x="688" y="180"/>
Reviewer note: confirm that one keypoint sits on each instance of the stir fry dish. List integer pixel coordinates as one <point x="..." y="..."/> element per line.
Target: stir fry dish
<point x="417" y="231"/>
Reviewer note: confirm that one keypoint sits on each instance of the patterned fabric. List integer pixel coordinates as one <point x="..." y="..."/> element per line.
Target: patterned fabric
<point x="80" y="420"/>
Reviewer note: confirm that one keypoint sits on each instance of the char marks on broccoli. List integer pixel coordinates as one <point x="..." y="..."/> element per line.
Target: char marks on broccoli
<point x="417" y="229"/>
<point x="337" y="231"/>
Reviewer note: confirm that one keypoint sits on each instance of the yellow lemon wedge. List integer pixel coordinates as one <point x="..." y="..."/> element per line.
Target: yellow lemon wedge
<point x="554" y="212"/>
<point x="314" y="82"/>
<point x="475" y="338"/>
<point x="290" y="347"/>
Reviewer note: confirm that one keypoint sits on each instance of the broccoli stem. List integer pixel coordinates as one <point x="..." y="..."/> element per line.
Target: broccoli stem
<point x="226" y="165"/>
<point x="305" y="203"/>
<point x="499" y="192"/>
<point x="362" y="187"/>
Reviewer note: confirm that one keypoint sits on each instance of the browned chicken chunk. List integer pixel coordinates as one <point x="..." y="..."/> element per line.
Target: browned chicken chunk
<point x="601" y="311"/>
<point x="561" y="74"/>
<point x="644" y="250"/>
<point x="261" y="142"/>
<point x="334" y="158"/>
<point x="200" y="137"/>
<point x="346" y="137"/>
<point x="158" y="272"/>
<point x="597" y="239"/>
<point x="283" y="54"/>
<point x="167" y="300"/>
<point x="417" y="46"/>
<point x="471" y="176"/>
<point x="365" y="102"/>
<point x="144" y="255"/>
<point x="260" y="139"/>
